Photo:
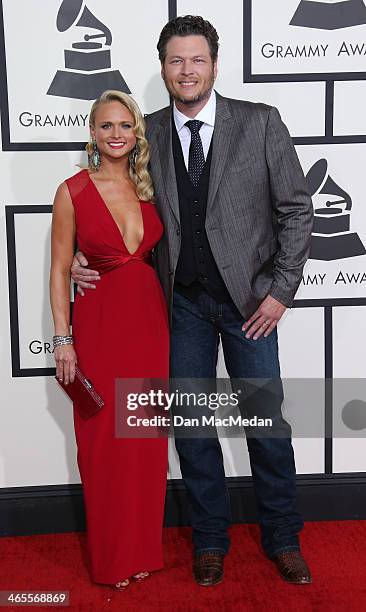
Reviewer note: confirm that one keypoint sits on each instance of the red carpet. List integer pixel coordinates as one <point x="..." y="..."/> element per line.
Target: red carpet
<point x="335" y="551"/>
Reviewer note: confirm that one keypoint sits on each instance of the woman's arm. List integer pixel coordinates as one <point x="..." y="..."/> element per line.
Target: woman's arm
<point x="62" y="252"/>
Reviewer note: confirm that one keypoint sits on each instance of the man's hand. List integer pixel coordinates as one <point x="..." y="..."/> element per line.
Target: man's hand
<point x="81" y="275"/>
<point x="265" y="318"/>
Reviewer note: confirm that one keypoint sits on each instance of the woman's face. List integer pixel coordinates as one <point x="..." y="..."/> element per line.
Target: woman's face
<point x="114" y="130"/>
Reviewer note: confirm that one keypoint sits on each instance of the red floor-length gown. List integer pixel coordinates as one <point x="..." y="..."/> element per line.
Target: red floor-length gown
<point x="120" y="331"/>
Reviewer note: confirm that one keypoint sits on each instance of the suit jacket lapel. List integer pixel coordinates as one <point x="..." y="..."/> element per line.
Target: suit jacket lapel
<point x="165" y="147"/>
<point x="220" y="146"/>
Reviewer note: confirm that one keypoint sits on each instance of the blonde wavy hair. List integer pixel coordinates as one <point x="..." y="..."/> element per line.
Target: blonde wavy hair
<point x="138" y="171"/>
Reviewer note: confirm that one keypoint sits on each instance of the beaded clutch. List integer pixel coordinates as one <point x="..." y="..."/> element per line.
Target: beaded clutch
<point x="86" y="400"/>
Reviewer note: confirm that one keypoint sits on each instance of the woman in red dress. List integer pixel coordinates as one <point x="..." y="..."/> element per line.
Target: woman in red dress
<point x="118" y="331"/>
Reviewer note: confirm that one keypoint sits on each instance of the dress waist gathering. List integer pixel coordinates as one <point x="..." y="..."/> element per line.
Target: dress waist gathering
<point x="106" y="263"/>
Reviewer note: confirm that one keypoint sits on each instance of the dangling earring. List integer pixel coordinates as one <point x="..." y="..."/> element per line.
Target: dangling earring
<point x="133" y="156"/>
<point x="94" y="157"/>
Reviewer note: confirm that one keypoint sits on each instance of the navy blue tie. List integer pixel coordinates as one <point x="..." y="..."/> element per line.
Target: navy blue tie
<point x="196" y="160"/>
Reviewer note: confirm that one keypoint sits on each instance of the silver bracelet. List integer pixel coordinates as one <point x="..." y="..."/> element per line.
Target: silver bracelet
<point x="62" y="340"/>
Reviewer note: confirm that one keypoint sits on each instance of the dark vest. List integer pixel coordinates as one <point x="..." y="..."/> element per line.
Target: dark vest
<point x="196" y="268"/>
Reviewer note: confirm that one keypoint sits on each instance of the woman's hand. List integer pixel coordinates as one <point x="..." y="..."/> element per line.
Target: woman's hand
<point x="65" y="358"/>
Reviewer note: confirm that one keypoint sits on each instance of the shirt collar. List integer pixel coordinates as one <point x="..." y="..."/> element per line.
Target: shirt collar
<point x="207" y="114"/>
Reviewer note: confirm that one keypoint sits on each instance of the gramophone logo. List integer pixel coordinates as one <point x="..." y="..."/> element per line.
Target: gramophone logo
<point x="332" y="237"/>
<point x="88" y="64"/>
<point x="329" y="15"/>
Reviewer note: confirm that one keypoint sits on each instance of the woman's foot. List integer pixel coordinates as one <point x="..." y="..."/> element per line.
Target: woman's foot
<point x="122" y="586"/>
<point x="141" y="576"/>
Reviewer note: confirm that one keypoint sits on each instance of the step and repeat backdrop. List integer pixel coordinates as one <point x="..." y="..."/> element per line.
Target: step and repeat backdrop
<point x="306" y="57"/>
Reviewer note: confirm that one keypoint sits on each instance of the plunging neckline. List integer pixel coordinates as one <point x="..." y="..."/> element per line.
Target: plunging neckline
<point x="114" y="220"/>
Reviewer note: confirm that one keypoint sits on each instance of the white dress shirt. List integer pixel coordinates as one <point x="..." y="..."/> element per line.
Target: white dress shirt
<point x="207" y="115"/>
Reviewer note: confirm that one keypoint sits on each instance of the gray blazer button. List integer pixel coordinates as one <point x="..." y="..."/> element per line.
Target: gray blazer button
<point x="178" y="232"/>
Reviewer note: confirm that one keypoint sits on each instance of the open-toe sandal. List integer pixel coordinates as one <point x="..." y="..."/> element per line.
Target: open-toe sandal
<point x="122" y="585"/>
<point x="141" y="576"/>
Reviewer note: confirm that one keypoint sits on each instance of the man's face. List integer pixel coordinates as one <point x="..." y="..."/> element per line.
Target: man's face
<point x="188" y="70"/>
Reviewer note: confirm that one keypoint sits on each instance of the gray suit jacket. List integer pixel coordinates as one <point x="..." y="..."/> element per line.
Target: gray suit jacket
<point x="259" y="212"/>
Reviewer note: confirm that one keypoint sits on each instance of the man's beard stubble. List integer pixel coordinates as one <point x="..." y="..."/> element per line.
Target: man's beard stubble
<point x="202" y="96"/>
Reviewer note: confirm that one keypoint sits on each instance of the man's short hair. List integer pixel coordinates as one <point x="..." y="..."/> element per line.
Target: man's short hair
<point x="189" y="25"/>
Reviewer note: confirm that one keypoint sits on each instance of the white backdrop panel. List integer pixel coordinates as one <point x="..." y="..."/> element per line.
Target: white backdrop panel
<point x="301" y="349"/>
<point x="349" y="454"/>
<point x="134" y="28"/>
<point x="284" y="43"/>
<point x="333" y="271"/>
<point x="349" y="109"/>
<point x="34" y="311"/>
<point x="301" y="343"/>
<point x="37" y="442"/>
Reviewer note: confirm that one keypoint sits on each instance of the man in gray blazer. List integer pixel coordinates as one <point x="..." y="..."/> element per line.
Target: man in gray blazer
<point x="238" y="218"/>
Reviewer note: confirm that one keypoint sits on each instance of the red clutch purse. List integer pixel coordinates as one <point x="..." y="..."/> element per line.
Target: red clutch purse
<point x="86" y="400"/>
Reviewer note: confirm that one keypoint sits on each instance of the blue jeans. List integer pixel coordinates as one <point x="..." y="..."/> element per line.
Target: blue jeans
<point x="196" y="330"/>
